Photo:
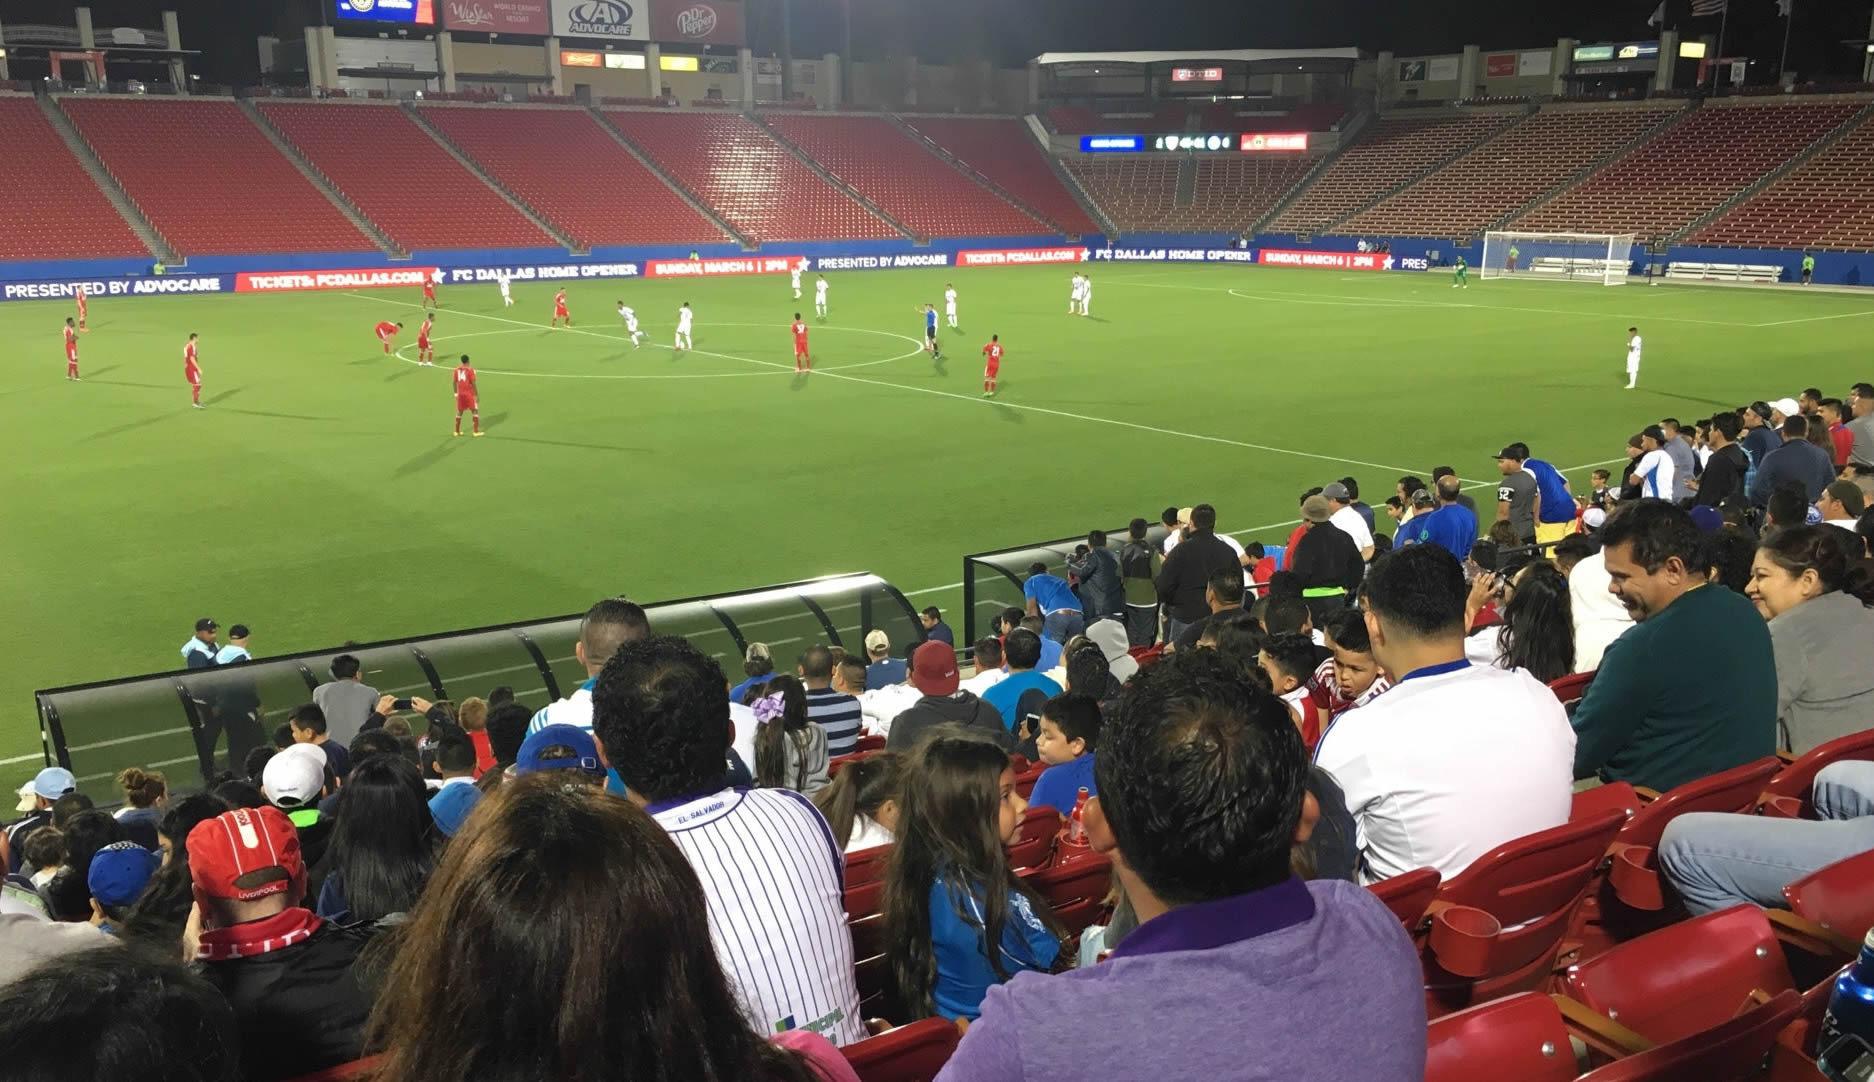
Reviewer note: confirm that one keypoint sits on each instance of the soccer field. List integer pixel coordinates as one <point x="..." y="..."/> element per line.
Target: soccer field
<point x="320" y="496"/>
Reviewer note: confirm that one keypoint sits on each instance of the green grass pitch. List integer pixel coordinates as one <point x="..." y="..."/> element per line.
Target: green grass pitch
<point x="320" y="496"/>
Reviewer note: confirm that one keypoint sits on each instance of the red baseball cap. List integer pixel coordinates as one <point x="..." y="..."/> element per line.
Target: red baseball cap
<point x="934" y="669"/>
<point x="230" y="855"/>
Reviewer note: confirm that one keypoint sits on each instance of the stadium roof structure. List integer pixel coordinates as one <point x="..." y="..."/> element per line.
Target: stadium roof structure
<point x="1247" y="56"/>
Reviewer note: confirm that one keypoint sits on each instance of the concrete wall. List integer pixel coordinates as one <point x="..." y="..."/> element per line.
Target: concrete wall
<point x="476" y="58"/>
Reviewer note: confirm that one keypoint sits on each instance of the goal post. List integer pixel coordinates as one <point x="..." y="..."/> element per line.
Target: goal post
<point x="1605" y="258"/>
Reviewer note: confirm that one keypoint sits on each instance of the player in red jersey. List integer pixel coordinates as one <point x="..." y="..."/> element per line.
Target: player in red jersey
<point x="425" y="355"/>
<point x="192" y="370"/>
<point x="71" y="350"/>
<point x="802" y="361"/>
<point x="387" y="333"/>
<point x="992" y="365"/>
<point x="559" y="309"/>
<point x="466" y="397"/>
<point x="429" y="289"/>
<point x="81" y="307"/>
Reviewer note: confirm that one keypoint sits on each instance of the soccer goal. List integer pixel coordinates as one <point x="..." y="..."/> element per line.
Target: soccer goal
<point x="1570" y="257"/>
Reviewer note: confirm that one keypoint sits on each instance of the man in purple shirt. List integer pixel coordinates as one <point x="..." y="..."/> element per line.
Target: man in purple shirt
<point x="1237" y="969"/>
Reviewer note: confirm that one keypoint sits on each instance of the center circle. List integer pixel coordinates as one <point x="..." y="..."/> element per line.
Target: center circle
<point x="771" y="368"/>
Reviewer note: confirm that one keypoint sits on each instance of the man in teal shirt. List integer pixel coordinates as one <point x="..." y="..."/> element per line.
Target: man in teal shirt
<point x="1690" y="689"/>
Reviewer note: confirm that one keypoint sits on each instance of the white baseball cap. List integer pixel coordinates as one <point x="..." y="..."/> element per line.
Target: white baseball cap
<point x="876" y="641"/>
<point x="295" y="777"/>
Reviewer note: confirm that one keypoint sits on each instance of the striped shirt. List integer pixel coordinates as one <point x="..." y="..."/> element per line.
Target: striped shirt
<point x="839" y="714"/>
<point x="774" y="878"/>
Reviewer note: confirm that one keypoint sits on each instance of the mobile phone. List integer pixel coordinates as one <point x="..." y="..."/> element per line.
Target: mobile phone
<point x="402" y="704"/>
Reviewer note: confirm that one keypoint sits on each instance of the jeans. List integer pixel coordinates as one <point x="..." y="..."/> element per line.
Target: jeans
<point x="1062" y="624"/>
<point x="1718" y="860"/>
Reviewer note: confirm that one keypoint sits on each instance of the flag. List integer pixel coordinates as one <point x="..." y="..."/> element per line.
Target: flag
<point x="1708" y="7"/>
<point x="1783" y="7"/>
<point x="1658" y="17"/>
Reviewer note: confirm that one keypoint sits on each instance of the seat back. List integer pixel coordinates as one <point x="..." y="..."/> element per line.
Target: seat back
<point x="862" y="900"/>
<point x="868" y="935"/>
<point x="867" y="865"/>
<point x="1614" y="796"/>
<point x="870" y="743"/>
<point x="913" y="1053"/>
<point x="1531" y="886"/>
<point x="1033" y="853"/>
<point x="1075" y="890"/>
<point x="1734" y="790"/>
<point x="1042" y="822"/>
<point x="1520" y="1038"/>
<point x="1798" y="778"/>
<point x="1730" y="1052"/>
<point x="1839" y="897"/>
<point x="1570" y="689"/>
<point x="1408" y="895"/>
<point x="1685" y="978"/>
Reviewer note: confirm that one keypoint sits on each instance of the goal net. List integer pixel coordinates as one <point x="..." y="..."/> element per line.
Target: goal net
<point x="1570" y="257"/>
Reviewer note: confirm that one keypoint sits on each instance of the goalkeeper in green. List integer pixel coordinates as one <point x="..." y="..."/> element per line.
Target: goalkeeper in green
<point x="1462" y="277"/>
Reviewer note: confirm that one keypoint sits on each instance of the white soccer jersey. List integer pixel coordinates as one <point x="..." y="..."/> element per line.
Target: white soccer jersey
<point x="503" y="283"/>
<point x="683" y="320"/>
<point x="1633" y="352"/>
<point x="1077" y="287"/>
<point x="630" y="317"/>
<point x="771" y="873"/>
<point x="820" y="288"/>
<point x="950" y="300"/>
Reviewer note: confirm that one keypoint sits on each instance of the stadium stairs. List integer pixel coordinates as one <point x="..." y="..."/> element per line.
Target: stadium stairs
<point x="999" y="154"/>
<point x="524" y="149"/>
<point x="690" y="197"/>
<point x="143" y="229"/>
<point x="1719" y="150"/>
<point x="1508" y="172"/>
<point x="1399" y="150"/>
<point x="749" y="178"/>
<point x="1589" y="170"/>
<point x="1188" y="193"/>
<point x="207" y="179"/>
<point x="417" y="191"/>
<point x="531" y="213"/>
<point x="317" y="179"/>
<point x="1350" y="133"/>
<point x="71" y="216"/>
<point x="1773" y="214"/>
<point x="876" y="163"/>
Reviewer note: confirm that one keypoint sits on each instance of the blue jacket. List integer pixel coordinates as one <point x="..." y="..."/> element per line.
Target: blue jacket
<point x="1796" y="460"/>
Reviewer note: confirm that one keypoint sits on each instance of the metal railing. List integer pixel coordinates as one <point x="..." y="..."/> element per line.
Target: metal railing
<point x="203" y="720"/>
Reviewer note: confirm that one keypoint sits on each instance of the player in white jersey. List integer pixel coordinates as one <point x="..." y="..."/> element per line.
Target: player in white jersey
<point x="684" y="316"/>
<point x="819" y="297"/>
<point x="507" y="298"/>
<point x="1633" y="357"/>
<point x="1086" y="293"/>
<point x="950" y="303"/>
<point x="795" y="274"/>
<point x="1073" y="298"/>
<point x="631" y="322"/>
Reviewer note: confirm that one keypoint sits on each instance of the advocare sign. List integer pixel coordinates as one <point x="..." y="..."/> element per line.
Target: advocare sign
<point x="614" y="20"/>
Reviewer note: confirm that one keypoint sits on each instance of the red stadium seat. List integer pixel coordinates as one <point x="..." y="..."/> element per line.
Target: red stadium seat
<point x="868" y="936"/>
<point x="867" y="865"/>
<point x="1076" y="890"/>
<point x="1031" y="853"/>
<point x="1392" y="149"/>
<point x="1790" y="794"/>
<point x="870" y="743"/>
<point x="837" y="762"/>
<point x="1731" y="1052"/>
<point x="1408" y="895"/>
<point x="1570" y="689"/>
<point x="1836" y="901"/>
<point x="913" y="1053"/>
<point x="1140" y="193"/>
<point x="1519" y="1038"/>
<point x="71" y="217"/>
<point x="1004" y="151"/>
<point x="1497" y="927"/>
<point x="1822" y="203"/>
<point x="862" y="900"/>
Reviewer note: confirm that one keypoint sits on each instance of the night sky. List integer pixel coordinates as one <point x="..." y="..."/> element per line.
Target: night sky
<point x="1010" y="31"/>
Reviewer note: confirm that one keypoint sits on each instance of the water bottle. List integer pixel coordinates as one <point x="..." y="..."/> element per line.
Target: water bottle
<point x="1076" y="823"/>
<point x="1845" y="1048"/>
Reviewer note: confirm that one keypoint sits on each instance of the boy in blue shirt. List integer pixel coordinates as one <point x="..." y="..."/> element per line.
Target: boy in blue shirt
<point x="1070" y="731"/>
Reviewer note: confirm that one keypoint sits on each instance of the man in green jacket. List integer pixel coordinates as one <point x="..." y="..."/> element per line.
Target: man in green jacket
<point x="1690" y="690"/>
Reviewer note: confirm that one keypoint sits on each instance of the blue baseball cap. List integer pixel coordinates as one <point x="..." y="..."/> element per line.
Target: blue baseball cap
<point x="119" y="872"/>
<point x="54" y="782"/>
<point x="584" y="751"/>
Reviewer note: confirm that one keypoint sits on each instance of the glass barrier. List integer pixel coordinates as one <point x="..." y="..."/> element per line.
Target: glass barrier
<point x="992" y="581"/>
<point x="193" y="724"/>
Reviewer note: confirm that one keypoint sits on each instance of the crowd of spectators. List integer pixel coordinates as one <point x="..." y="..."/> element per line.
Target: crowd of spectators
<point x="646" y="879"/>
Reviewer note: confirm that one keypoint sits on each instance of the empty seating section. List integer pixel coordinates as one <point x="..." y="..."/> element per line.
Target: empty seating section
<point x="1140" y="194"/>
<point x="66" y="216"/>
<point x="1508" y="171"/>
<point x="740" y="172"/>
<point x="902" y="177"/>
<point x="1005" y="152"/>
<point x="1391" y="150"/>
<point x="611" y="198"/>
<point x="1691" y="167"/>
<point x="402" y="179"/>
<point x="1825" y="203"/>
<point x="208" y="179"/>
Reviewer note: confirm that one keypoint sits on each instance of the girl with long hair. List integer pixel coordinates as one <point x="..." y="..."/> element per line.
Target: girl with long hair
<point x="1538" y="632"/>
<point x="1814" y="586"/>
<point x="146" y="794"/>
<point x="950" y="894"/>
<point x="384" y="845"/>
<point x="566" y="937"/>
<point x="790" y="751"/>
<point x="861" y="804"/>
<point x="159" y="916"/>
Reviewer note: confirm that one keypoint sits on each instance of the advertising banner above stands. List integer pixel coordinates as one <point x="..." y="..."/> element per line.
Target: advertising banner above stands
<point x="294" y="281"/>
<point x="120" y="286"/>
<point x="1111" y="144"/>
<point x="1197" y="75"/>
<point x="618" y="20"/>
<point x="1174" y="255"/>
<point x="415" y="12"/>
<point x="707" y="22"/>
<point x="1353" y="261"/>
<point x="1015" y="257"/>
<point x="1288" y="140"/>
<point x="496" y="16"/>
<point x="1500" y="66"/>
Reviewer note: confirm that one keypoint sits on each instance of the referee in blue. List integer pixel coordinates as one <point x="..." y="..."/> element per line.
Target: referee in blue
<point x="930" y="333"/>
